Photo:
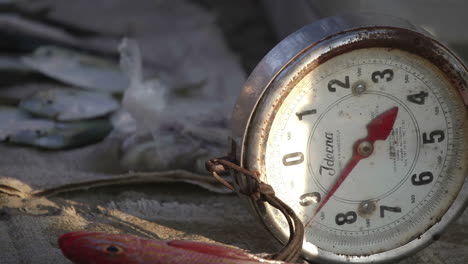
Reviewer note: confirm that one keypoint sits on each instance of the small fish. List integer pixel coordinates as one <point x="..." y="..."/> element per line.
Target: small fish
<point x="19" y="127"/>
<point x="20" y="33"/>
<point x="14" y="120"/>
<point x="78" y="69"/>
<point x="69" y="105"/>
<point x="14" y="71"/>
<point x="87" y="247"/>
<point x="47" y="134"/>
<point x="15" y="93"/>
<point x="13" y="64"/>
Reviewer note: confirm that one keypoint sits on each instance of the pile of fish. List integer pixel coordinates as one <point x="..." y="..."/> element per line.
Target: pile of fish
<point x="63" y="87"/>
<point x="59" y="84"/>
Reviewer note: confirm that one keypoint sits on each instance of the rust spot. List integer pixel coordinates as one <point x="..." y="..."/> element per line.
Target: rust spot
<point x="367" y="208"/>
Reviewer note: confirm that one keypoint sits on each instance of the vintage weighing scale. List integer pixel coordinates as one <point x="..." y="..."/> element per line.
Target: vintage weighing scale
<point x="359" y="123"/>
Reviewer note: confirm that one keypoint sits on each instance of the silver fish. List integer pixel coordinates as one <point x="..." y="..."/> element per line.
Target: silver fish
<point x="63" y="135"/>
<point x="13" y="120"/>
<point x="78" y="69"/>
<point x="23" y="34"/>
<point x="25" y="7"/>
<point x="69" y="105"/>
<point x="13" y="94"/>
<point x="13" y="64"/>
<point x="14" y="71"/>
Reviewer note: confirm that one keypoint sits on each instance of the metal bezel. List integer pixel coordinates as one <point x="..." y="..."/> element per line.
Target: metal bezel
<point x="302" y="52"/>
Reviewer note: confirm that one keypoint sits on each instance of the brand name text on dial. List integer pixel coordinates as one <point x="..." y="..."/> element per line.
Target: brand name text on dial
<point x="328" y="161"/>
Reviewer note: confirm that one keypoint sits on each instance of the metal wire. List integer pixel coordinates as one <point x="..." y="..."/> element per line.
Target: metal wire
<point x="264" y="192"/>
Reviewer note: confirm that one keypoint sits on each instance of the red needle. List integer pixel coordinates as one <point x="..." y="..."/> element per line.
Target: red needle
<point x="378" y="129"/>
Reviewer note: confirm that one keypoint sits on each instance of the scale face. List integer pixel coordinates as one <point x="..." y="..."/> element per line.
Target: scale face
<point x="359" y="123"/>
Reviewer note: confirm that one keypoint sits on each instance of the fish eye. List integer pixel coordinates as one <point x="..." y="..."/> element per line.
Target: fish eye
<point x="113" y="249"/>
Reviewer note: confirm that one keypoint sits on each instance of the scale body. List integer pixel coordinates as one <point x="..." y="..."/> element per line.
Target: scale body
<point x="313" y="95"/>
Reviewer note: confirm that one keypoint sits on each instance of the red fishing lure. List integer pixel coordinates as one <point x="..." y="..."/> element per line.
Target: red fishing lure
<point x="103" y="248"/>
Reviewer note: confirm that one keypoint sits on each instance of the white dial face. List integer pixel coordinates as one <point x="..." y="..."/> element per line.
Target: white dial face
<point x="369" y="150"/>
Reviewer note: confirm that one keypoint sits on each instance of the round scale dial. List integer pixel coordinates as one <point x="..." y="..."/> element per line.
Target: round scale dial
<point x="359" y="122"/>
<point x="368" y="149"/>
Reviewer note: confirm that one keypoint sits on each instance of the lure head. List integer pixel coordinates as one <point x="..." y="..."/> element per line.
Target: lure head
<point x="88" y="247"/>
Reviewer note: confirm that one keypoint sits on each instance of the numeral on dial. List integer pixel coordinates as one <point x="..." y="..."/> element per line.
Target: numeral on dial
<point x="333" y="83"/>
<point x="348" y="218"/>
<point x="418" y="98"/>
<point x="310" y="198"/>
<point x="293" y="158"/>
<point x="422" y="179"/>
<point x="307" y="112"/>
<point x="384" y="208"/>
<point x="386" y="74"/>
<point x="438" y="135"/>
